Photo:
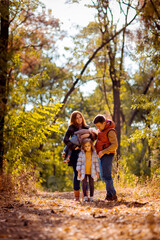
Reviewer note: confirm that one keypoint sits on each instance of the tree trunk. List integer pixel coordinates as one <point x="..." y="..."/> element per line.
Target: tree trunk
<point x="116" y="94"/>
<point x="117" y="113"/>
<point x="4" y="33"/>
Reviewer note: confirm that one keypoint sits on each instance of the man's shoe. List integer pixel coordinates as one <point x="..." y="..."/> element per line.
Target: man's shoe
<point x="111" y="198"/>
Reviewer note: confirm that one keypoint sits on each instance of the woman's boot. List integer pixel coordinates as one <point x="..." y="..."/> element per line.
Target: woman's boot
<point x="77" y="195"/>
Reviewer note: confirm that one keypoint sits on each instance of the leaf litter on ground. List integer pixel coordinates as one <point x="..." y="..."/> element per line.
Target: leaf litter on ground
<point x="48" y="216"/>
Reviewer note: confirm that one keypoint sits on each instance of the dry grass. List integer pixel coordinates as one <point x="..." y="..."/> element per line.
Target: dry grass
<point x="7" y="184"/>
<point x="149" y="188"/>
<point x="23" y="184"/>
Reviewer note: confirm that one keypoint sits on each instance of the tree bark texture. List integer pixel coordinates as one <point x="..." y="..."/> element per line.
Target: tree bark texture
<point x="117" y="113"/>
<point x="4" y="33"/>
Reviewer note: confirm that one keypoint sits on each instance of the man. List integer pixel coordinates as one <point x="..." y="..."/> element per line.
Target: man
<point x="106" y="146"/>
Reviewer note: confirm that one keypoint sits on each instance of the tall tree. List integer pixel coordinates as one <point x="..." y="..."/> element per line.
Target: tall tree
<point x="4" y="34"/>
<point x="22" y="53"/>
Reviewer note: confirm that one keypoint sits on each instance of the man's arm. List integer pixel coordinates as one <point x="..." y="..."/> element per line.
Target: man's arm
<point x="114" y="144"/>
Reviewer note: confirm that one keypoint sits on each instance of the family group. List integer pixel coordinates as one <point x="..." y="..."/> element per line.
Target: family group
<point x="90" y="152"/>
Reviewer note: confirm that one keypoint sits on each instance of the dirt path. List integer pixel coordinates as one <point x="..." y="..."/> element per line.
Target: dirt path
<point x="50" y="216"/>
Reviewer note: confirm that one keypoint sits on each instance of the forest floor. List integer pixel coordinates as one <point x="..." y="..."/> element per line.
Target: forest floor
<point x="47" y="216"/>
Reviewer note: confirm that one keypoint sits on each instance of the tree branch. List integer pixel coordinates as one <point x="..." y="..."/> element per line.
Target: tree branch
<point x="137" y="110"/>
<point x="155" y="9"/>
<point x="94" y="54"/>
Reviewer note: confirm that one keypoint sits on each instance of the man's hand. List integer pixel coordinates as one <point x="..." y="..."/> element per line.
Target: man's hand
<point x="100" y="154"/>
<point x="63" y="154"/>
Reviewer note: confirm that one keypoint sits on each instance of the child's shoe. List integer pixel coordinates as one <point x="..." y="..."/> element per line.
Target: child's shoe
<point x="85" y="199"/>
<point x="66" y="160"/>
<point x="63" y="154"/>
<point x="91" y="199"/>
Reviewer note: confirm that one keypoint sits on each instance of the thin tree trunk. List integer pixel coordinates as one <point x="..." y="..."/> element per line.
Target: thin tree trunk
<point x="4" y="32"/>
<point x="104" y="85"/>
<point x="117" y="114"/>
<point x="116" y="95"/>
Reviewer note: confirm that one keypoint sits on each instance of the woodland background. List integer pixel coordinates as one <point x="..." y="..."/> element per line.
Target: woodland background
<point x="119" y="51"/>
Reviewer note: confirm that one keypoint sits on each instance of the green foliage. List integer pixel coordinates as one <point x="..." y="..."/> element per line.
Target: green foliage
<point x="25" y="132"/>
<point x="150" y="128"/>
<point x="62" y="178"/>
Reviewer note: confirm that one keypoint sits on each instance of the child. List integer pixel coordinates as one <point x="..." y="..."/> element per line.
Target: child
<point x="76" y="140"/>
<point x="88" y="167"/>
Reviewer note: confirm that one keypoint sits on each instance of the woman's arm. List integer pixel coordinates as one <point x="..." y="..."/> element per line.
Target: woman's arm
<point x="67" y="136"/>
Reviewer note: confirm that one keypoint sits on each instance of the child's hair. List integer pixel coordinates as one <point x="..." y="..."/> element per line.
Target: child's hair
<point x="86" y="140"/>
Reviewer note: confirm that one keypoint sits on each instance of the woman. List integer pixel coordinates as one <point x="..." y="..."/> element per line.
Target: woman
<point x="77" y="122"/>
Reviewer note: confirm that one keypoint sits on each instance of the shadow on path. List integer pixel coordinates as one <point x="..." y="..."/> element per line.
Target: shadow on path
<point x="112" y="204"/>
<point x="98" y="203"/>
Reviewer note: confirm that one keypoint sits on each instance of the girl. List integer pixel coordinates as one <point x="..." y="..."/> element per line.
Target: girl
<point x="88" y="167"/>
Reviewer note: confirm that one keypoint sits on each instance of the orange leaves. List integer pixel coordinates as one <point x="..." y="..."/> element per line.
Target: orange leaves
<point x="32" y="32"/>
<point x="3" y="236"/>
<point x="58" y="216"/>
